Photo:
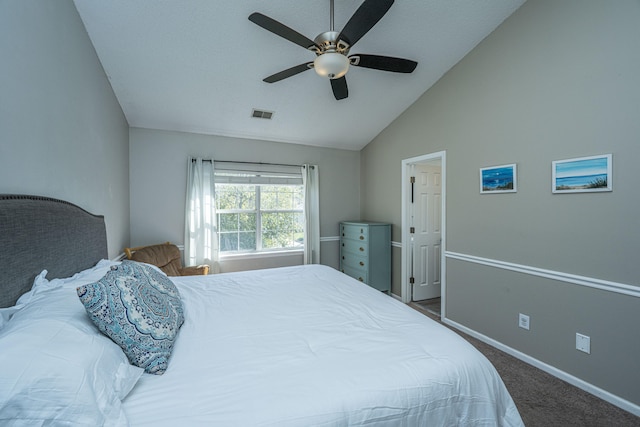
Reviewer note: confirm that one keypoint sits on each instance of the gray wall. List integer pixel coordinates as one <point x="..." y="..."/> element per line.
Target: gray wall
<point x="158" y="170"/>
<point x="62" y="132"/>
<point x="559" y="79"/>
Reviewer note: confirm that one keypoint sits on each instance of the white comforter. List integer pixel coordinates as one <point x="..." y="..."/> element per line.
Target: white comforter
<point x="309" y="346"/>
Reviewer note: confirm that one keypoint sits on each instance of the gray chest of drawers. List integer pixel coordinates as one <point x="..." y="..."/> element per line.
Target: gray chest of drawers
<point x="365" y="253"/>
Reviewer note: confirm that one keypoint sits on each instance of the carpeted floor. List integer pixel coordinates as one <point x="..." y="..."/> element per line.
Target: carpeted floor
<point x="544" y="400"/>
<point x="430" y="305"/>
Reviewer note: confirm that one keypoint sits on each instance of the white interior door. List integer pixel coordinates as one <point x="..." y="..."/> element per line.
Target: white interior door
<point x="427" y="231"/>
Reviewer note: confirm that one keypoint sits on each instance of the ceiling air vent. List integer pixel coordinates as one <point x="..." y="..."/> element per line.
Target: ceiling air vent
<point x="261" y="114"/>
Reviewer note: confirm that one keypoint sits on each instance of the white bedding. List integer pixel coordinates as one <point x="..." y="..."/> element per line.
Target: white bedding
<point x="309" y="346"/>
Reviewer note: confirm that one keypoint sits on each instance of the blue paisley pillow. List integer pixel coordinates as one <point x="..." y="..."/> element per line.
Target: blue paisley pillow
<point x="140" y="309"/>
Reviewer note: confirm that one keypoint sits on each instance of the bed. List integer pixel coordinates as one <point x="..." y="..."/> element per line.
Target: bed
<point x="293" y="346"/>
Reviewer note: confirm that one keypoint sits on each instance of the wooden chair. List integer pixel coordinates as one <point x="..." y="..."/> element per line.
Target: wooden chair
<point x="165" y="256"/>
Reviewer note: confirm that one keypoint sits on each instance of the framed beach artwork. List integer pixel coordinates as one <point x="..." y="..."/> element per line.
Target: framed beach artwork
<point x="498" y="179"/>
<point x="582" y="174"/>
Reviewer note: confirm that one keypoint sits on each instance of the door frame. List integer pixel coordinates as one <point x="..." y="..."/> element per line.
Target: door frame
<point x="406" y="238"/>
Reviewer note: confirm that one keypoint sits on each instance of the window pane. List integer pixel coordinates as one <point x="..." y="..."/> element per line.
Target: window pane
<point x="247" y="222"/>
<point x="247" y="241"/>
<point x="285" y="197"/>
<point x="269" y="230"/>
<point x="268" y="198"/>
<point x="232" y="196"/>
<point x="298" y="221"/>
<point x="277" y="230"/>
<point x="269" y="221"/>
<point x="298" y="197"/>
<point x="228" y="242"/>
<point x="269" y="240"/>
<point x="246" y="197"/>
<point x="225" y="197"/>
<point x="227" y="222"/>
<point x="298" y="230"/>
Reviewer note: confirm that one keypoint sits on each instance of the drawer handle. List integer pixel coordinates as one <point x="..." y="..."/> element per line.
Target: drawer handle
<point x="361" y="249"/>
<point x="343" y="257"/>
<point x="360" y="278"/>
<point x="342" y="234"/>
<point x="361" y="237"/>
<point x="361" y="263"/>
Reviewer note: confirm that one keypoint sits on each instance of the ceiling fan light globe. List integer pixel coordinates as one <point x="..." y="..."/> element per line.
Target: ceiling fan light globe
<point x="331" y="65"/>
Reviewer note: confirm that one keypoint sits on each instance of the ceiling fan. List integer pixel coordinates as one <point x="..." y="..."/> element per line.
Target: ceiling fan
<point x="332" y="47"/>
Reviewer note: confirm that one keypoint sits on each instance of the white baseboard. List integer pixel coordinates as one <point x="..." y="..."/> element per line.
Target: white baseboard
<point x="577" y="382"/>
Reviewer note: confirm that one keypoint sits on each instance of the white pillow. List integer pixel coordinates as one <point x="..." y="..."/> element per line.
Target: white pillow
<point x="89" y="275"/>
<point x="6" y="313"/>
<point x="57" y="368"/>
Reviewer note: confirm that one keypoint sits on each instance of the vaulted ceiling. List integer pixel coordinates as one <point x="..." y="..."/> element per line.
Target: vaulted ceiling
<point x="197" y="65"/>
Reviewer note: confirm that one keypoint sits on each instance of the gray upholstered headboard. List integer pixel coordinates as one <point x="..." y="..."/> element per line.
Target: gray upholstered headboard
<point x="41" y="233"/>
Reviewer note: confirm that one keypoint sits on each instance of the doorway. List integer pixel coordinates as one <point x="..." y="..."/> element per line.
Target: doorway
<point x="423" y="230"/>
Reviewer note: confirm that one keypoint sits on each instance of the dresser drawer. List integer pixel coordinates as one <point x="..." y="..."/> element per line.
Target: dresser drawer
<point x="355" y="232"/>
<point x="354" y="247"/>
<point x="355" y="273"/>
<point x="355" y="262"/>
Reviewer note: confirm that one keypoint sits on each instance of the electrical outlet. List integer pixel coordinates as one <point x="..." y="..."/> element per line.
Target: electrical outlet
<point x="523" y="321"/>
<point x="583" y="343"/>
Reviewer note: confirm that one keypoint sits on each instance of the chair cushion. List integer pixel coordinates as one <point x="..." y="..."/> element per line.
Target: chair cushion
<point x="195" y="270"/>
<point x="165" y="256"/>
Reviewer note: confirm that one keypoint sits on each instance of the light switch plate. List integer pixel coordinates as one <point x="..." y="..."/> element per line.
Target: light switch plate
<point x="583" y="343"/>
<point x="523" y="321"/>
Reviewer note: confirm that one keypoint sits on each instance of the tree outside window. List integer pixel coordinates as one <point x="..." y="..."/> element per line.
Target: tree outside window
<point x="259" y="218"/>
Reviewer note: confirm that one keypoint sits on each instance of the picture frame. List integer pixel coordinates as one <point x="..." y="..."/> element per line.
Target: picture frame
<point x="582" y="174"/>
<point x="499" y="179"/>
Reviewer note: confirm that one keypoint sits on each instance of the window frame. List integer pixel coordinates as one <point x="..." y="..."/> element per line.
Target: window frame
<point x="259" y="250"/>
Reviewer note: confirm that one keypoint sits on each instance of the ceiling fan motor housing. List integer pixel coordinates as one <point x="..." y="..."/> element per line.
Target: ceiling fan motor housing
<point x="331" y="60"/>
<point x="328" y="42"/>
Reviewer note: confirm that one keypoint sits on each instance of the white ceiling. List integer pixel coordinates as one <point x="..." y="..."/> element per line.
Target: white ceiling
<point x="197" y="65"/>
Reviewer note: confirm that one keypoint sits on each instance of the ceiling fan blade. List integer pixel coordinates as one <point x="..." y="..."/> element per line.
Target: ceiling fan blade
<point x="287" y="73"/>
<point x="367" y="15"/>
<point x="384" y="63"/>
<point x="340" y="89"/>
<point x="282" y="30"/>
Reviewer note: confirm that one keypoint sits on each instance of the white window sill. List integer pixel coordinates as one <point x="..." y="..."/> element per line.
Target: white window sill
<point x="250" y="255"/>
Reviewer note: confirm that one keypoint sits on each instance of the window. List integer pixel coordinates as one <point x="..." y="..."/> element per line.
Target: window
<point x="259" y="211"/>
<point x="258" y="208"/>
<point x="259" y="217"/>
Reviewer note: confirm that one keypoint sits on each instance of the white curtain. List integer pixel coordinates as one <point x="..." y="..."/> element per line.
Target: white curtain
<point x="200" y="234"/>
<point x="311" y="214"/>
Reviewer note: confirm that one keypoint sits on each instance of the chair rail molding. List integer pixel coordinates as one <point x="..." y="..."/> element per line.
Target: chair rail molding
<point x="590" y="282"/>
